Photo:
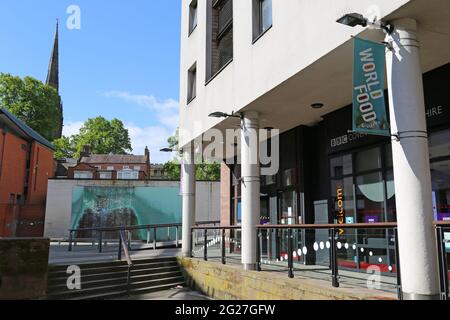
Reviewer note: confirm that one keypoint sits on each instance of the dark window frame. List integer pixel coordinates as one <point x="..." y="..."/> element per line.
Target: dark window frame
<point x="193" y="8"/>
<point x="192" y="83"/>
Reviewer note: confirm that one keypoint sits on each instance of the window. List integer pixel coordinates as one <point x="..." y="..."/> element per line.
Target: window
<point x="82" y="175"/>
<point x="262" y="17"/>
<point x="128" y="174"/>
<point x="110" y="168"/>
<point x="105" y="175"/>
<point x="126" y="167"/>
<point x="98" y="167"/>
<point x="192" y="16"/>
<point x="219" y="36"/>
<point x="192" y="83"/>
<point x="137" y="168"/>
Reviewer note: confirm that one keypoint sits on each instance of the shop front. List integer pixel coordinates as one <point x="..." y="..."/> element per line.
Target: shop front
<point x="329" y="174"/>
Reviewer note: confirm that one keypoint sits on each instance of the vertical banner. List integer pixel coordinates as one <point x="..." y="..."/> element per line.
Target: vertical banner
<point x="369" y="107"/>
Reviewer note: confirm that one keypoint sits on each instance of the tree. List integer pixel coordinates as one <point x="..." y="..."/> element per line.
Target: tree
<point x="64" y="148"/>
<point x="33" y="102"/>
<point x="203" y="171"/>
<point x="103" y="137"/>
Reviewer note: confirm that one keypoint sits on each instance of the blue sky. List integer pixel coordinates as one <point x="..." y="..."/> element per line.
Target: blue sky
<point x="123" y="62"/>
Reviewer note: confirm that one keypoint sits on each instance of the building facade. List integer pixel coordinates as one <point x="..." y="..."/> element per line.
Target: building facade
<point x="26" y="164"/>
<point x="288" y="65"/>
<point x="111" y="167"/>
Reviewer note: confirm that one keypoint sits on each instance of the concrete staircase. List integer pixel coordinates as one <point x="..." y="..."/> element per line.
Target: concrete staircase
<point x="108" y="280"/>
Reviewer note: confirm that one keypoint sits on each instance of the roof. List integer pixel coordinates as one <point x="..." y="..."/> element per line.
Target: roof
<point x="114" y="158"/>
<point x="26" y="130"/>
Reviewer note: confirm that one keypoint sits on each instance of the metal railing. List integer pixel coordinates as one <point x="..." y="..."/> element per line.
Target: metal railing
<point x="128" y="230"/>
<point x="334" y="231"/>
<point x="122" y="245"/>
<point x="442" y="241"/>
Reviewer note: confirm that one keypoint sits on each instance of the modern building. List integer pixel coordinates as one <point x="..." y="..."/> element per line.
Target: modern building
<point x="288" y="65"/>
<point x="111" y="167"/>
<point x="26" y="164"/>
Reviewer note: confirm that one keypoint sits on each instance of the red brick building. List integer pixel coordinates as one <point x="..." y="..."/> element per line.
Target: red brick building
<point x="26" y="164"/>
<point x="111" y="167"/>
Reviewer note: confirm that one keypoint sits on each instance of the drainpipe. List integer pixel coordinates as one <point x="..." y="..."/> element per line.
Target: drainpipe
<point x="417" y="244"/>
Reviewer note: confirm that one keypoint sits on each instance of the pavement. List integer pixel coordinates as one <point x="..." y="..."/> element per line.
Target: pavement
<point x="88" y="253"/>
<point x="173" y="294"/>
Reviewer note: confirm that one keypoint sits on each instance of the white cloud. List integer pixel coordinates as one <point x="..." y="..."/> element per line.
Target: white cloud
<point x="72" y="127"/>
<point x="155" y="137"/>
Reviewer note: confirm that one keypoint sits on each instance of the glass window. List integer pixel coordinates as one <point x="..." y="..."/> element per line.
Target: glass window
<point x="83" y="175"/>
<point x="391" y="212"/>
<point x="343" y="201"/>
<point x="368" y="160"/>
<point x="439" y="144"/>
<point x="193" y="16"/>
<point x="105" y="175"/>
<point x="137" y="168"/>
<point x="262" y="17"/>
<point x="341" y="166"/>
<point x="388" y="156"/>
<point x="440" y="176"/>
<point x="192" y="83"/>
<point x="289" y="177"/>
<point x="370" y="198"/>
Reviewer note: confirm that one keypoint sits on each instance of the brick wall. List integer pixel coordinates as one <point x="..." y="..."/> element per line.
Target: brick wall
<point x="13" y="163"/>
<point x="23" y="268"/>
<point x="42" y="168"/>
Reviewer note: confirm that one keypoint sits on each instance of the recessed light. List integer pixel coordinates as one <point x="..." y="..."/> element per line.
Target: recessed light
<point x="317" y="105"/>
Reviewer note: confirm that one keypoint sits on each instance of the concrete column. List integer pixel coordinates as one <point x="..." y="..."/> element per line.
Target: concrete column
<point x="250" y="186"/>
<point x="188" y="198"/>
<point x="417" y="245"/>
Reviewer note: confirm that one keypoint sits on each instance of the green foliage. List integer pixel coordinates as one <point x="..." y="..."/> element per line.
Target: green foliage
<point x="33" y="102"/>
<point x="203" y="171"/>
<point x="103" y="137"/>
<point x="64" y="148"/>
<point x="173" y="170"/>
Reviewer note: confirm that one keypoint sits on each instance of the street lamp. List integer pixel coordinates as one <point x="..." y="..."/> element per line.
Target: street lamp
<point x="219" y="114"/>
<point x="357" y="19"/>
<point x="167" y="150"/>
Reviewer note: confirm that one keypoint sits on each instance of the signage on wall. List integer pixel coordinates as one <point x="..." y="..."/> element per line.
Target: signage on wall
<point x="369" y="108"/>
<point x="340" y="205"/>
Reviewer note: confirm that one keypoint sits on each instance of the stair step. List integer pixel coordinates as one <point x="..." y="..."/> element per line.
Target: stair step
<point x="104" y="288"/>
<point x="56" y="268"/>
<point x="108" y="280"/>
<point x="106" y="269"/>
<point x="113" y="279"/>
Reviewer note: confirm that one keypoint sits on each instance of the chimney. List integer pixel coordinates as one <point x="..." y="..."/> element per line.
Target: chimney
<point x="147" y="154"/>
<point x="86" y="152"/>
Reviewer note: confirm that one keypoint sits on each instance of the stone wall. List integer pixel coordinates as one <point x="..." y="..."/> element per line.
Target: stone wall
<point x="23" y="268"/>
<point x="230" y="282"/>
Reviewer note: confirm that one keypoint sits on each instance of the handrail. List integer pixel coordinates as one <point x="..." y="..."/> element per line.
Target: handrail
<point x="128" y="228"/>
<point x="207" y="222"/>
<point x="309" y="226"/>
<point x="123" y="245"/>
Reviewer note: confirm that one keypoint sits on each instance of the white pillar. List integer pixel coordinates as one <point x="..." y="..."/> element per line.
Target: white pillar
<point x="250" y="187"/>
<point x="417" y="244"/>
<point x="188" y="199"/>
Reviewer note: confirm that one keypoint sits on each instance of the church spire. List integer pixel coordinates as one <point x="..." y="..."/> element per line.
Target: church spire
<point x="53" y="68"/>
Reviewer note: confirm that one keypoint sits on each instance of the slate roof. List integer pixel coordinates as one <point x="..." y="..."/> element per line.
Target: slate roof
<point x="114" y="158"/>
<point x="26" y="130"/>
